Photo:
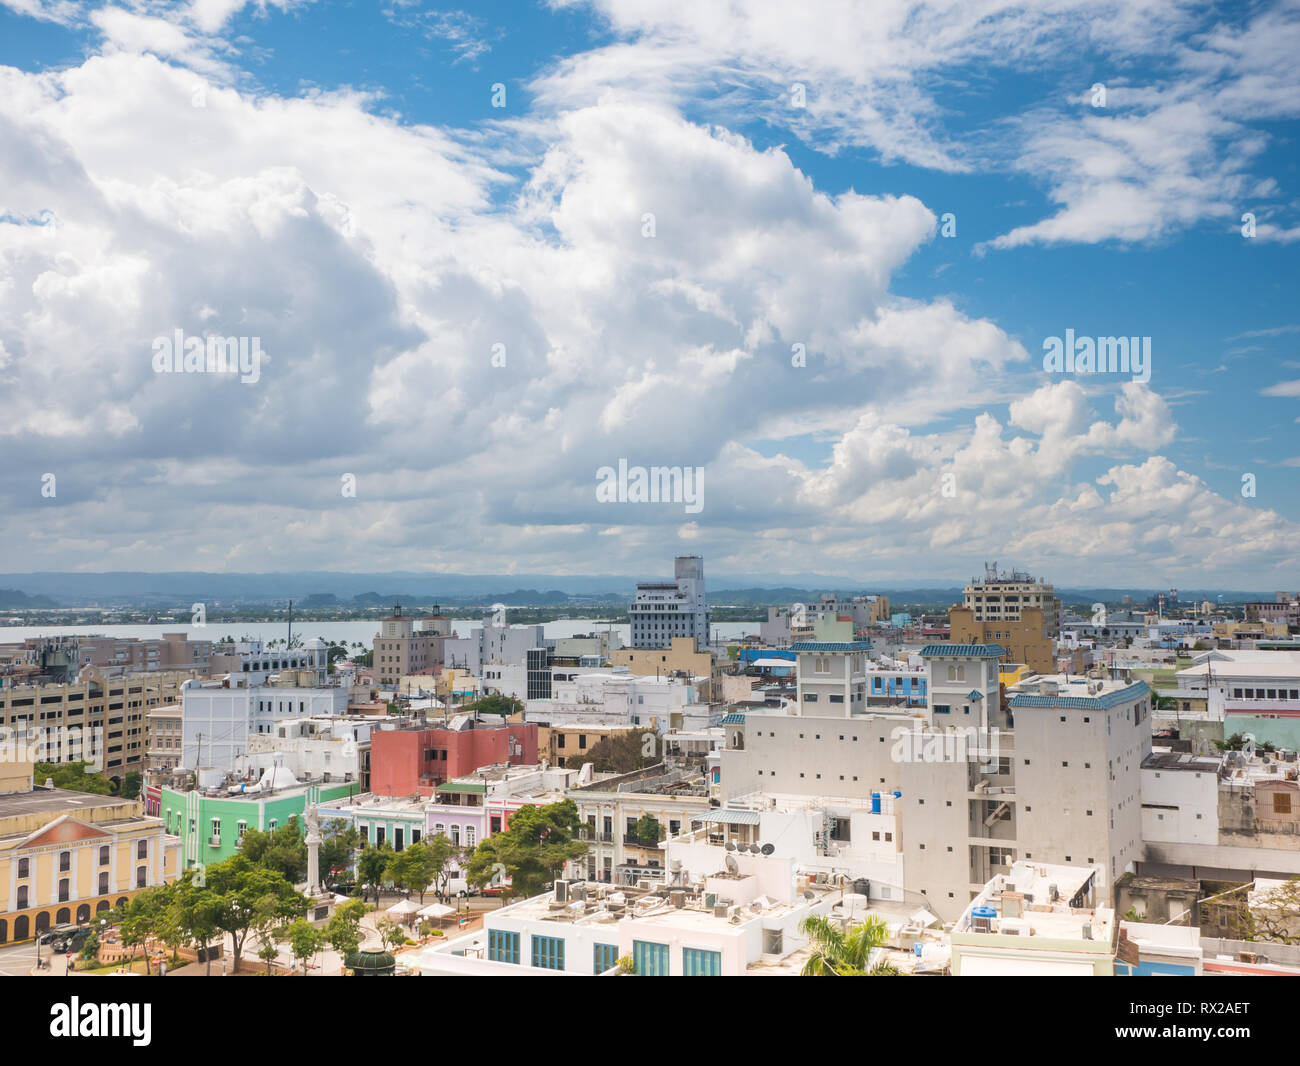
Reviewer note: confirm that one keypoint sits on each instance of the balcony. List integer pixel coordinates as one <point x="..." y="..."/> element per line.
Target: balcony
<point x="214" y="841"/>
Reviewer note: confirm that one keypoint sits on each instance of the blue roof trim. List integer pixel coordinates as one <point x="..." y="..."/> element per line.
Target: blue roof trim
<point x="831" y="645"/>
<point x="733" y="719"/>
<point x="974" y="694"/>
<point x="1082" y="703"/>
<point x="965" y="651"/>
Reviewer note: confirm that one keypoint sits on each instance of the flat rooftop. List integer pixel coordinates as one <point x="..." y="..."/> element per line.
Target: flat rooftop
<point x="1046" y="897"/>
<point x="54" y="801"/>
<point x="1164" y="759"/>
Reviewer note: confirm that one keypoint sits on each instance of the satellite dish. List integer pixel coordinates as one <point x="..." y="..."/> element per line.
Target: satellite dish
<point x="729" y="846"/>
<point x="732" y="865"/>
<point x="767" y="849"/>
<point x="754" y="849"/>
<point x="808" y="893"/>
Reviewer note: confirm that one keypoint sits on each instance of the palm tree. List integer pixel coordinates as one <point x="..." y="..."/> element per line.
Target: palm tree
<point x="841" y="952"/>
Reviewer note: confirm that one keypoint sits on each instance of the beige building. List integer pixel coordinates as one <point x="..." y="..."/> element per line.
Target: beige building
<point x="1014" y="610"/>
<point x="567" y="746"/>
<point x="98" y="720"/>
<point x="1004" y="597"/>
<point x="401" y="649"/>
<point x="680" y="658"/>
<point x="163" y="732"/>
<point x="67" y="856"/>
<point x="613" y="808"/>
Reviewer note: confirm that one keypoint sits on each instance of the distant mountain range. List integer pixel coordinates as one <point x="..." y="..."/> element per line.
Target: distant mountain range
<point x="326" y="589"/>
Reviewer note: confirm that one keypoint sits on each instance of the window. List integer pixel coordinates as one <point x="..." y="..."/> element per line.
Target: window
<point x="22" y="897"/>
<point x="142" y="849"/>
<point x="455" y="835"/>
<point x="469" y="836"/>
<point x="1281" y="803"/>
<point x="103" y="884"/>
<point x="651" y="959"/>
<point x="696" y="962"/>
<point x="548" y="952"/>
<point x="65" y="861"/>
<point x="63" y="890"/>
<point x="605" y="957"/>
<point x="503" y="946"/>
<point x="103" y="855"/>
<point x="141" y="876"/>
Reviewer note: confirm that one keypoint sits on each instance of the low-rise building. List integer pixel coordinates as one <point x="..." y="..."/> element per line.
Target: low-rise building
<point x="614" y="808"/>
<point x="1036" y="920"/>
<point x="66" y="856"/>
<point x="734" y="920"/>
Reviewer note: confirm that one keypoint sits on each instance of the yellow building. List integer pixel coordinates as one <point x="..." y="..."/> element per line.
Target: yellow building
<point x="1026" y="637"/>
<point x="67" y="856"/>
<point x="681" y="658"/>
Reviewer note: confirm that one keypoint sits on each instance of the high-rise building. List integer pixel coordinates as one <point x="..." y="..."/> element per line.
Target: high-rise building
<point x="1011" y="609"/>
<point x="663" y="610"/>
<point x="401" y="649"/>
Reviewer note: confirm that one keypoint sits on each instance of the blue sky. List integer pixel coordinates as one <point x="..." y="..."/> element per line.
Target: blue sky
<point x="349" y="188"/>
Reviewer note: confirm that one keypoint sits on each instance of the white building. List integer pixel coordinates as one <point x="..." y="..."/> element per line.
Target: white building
<point x="333" y="748"/>
<point x="1180" y="797"/>
<point x="218" y="716"/>
<point x="617" y="698"/>
<point x="832" y="677"/>
<point x="724" y="921"/>
<point x="663" y="610"/>
<point x="493" y="644"/>
<point x="858" y="841"/>
<point x="1036" y="920"/>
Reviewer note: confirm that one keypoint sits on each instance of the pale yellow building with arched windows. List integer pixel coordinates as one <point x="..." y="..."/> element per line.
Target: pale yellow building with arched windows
<point x="66" y="857"/>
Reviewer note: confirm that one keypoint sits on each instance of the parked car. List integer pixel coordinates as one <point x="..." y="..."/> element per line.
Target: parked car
<point x="66" y="937"/>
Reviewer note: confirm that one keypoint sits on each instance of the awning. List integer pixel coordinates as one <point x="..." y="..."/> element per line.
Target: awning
<point x="731" y="817"/>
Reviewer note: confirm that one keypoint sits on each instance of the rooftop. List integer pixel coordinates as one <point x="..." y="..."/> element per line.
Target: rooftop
<point x="964" y="651"/>
<point x="1075" y="693"/>
<point x="53" y="800"/>
<point x="1038" y="899"/>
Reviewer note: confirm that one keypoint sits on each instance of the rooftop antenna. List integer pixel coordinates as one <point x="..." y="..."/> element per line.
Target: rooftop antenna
<point x="289" y="642"/>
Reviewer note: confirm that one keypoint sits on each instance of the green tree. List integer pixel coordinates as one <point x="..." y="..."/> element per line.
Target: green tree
<point x="441" y="853"/>
<point x="621" y="753"/>
<point x="144" y="918"/>
<point x="343" y="932"/>
<point x="305" y="940"/>
<point x="196" y="914"/>
<point x="647" y="830"/>
<point x="372" y="866"/>
<point x="339" y="841"/>
<point x="131" y="785"/>
<point x="413" y="869"/>
<point x="73" y="776"/>
<point x="496" y="703"/>
<point x="283" y="849"/>
<point x="837" y="952"/>
<point x="532" y="851"/>
<point x="391" y="933"/>
<point x="250" y="896"/>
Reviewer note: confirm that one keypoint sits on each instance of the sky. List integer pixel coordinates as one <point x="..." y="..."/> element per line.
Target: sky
<point x="818" y="256"/>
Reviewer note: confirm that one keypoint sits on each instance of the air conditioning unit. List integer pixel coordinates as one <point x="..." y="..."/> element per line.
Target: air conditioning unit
<point x="561" y="891"/>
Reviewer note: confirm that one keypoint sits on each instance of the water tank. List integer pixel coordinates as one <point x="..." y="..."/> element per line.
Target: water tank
<point x="983" y="912"/>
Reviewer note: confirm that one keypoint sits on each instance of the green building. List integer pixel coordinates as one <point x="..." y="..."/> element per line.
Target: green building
<point x="211" y="826"/>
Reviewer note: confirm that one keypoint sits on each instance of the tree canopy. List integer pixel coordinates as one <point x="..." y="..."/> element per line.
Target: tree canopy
<point x="532" y="852"/>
